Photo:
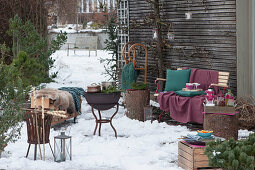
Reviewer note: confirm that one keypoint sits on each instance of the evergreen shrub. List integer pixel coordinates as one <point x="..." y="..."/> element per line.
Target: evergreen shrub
<point x="231" y="154"/>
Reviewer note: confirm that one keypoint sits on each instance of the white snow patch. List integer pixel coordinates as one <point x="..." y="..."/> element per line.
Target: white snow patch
<point x="140" y="145"/>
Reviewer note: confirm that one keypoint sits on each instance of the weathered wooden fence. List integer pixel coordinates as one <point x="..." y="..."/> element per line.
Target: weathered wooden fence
<point x="207" y="40"/>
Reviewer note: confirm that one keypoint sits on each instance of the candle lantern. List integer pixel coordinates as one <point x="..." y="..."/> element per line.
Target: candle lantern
<point x="170" y="36"/>
<point x="62" y="147"/>
<point x="188" y="15"/>
<point x="155" y="33"/>
<point x="170" y="33"/>
<point x="148" y="111"/>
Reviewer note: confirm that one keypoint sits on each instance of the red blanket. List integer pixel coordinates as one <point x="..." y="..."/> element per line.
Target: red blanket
<point x="189" y="109"/>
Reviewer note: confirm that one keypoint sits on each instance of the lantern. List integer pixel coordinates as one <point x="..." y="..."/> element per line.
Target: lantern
<point x="170" y="36"/>
<point x="148" y="113"/>
<point x="188" y="15"/>
<point x="155" y="33"/>
<point x="62" y="147"/>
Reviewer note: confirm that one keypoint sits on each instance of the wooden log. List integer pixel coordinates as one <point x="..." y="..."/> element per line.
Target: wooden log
<point x="136" y="100"/>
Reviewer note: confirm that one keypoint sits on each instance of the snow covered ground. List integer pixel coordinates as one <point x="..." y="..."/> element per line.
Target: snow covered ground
<point x="73" y="28"/>
<point x="140" y="145"/>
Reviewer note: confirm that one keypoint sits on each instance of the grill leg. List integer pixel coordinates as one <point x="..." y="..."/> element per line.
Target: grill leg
<point x="28" y="150"/>
<point x="35" y="151"/>
<point x="100" y="123"/>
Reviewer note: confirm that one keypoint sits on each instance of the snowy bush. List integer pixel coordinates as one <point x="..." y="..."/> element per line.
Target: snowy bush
<point x="12" y="95"/>
<point x="112" y="43"/>
<point x="31" y="62"/>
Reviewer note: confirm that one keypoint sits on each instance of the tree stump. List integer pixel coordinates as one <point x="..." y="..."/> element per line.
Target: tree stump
<point x="136" y="100"/>
<point x="223" y="125"/>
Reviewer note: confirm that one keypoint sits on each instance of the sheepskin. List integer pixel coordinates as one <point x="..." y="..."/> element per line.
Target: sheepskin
<point x="62" y="99"/>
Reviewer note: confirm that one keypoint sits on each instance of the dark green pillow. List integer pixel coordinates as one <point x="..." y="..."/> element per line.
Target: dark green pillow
<point x="189" y="93"/>
<point x="176" y="79"/>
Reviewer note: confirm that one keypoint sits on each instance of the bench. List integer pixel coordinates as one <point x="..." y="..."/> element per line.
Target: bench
<point x="84" y="42"/>
<point x="223" y="78"/>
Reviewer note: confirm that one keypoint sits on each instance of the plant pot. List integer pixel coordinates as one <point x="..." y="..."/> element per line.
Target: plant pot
<point x="136" y="100"/>
<point x="93" y="88"/>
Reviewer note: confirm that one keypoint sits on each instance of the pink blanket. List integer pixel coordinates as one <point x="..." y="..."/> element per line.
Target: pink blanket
<point x="189" y="109"/>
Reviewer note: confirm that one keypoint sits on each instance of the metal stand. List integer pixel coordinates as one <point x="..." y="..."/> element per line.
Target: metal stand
<point x="35" y="152"/>
<point x="100" y="121"/>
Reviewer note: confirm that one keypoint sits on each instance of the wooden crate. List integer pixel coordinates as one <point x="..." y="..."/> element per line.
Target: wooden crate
<point x="48" y="103"/>
<point x="191" y="157"/>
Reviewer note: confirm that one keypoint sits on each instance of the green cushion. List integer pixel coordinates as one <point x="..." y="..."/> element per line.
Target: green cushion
<point x="189" y="93"/>
<point x="176" y="79"/>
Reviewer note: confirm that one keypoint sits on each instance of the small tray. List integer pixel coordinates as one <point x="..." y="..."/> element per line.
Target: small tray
<point x="185" y="89"/>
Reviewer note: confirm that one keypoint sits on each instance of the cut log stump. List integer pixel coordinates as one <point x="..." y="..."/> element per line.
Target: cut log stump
<point x="136" y="100"/>
<point x="224" y="124"/>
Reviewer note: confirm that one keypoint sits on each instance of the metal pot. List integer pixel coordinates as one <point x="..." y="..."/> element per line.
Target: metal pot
<point x="93" y="88"/>
<point x="106" y="84"/>
<point x="102" y="101"/>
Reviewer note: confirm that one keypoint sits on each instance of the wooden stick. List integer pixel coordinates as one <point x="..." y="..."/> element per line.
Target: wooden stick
<point x="36" y="123"/>
<point x="43" y="129"/>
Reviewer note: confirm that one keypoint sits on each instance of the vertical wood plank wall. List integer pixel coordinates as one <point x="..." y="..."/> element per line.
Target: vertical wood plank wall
<point x="207" y="40"/>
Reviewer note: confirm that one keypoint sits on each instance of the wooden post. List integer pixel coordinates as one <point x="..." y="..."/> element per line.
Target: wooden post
<point x="43" y="129"/>
<point x="36" y="123"/>
<point x="136" y="100"/>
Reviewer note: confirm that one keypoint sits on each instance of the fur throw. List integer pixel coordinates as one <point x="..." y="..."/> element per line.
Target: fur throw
<point x="62" y="99"/>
